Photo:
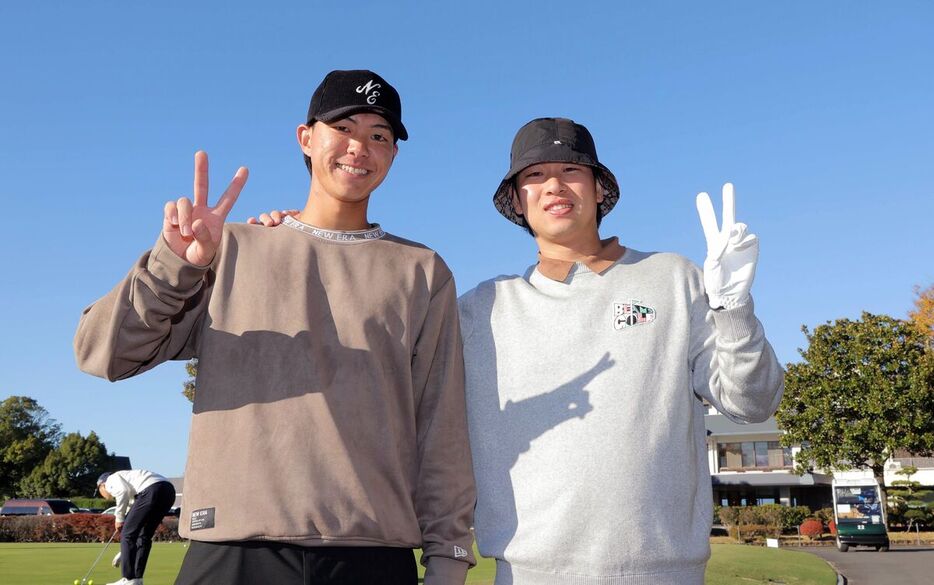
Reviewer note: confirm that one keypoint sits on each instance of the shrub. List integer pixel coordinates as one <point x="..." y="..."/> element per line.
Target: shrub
<point x="70" y="528"/>
<point x="83" y="502"/>
<point x="771" y="516"/>
<point x="825" y="515"/>
<point x="792" y="517"/>
<point x="812" y="528"/>
<point x="729" y="515"/>
<point x="167" y="531"/>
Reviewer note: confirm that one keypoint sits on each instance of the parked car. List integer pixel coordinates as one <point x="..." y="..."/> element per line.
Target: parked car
<point x="38" y="507"/>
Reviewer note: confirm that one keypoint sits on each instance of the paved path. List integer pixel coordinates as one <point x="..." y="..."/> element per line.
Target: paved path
<point x="902" y="565"/>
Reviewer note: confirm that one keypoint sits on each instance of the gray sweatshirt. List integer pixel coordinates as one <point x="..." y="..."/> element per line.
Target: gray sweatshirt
<point x="586" y="421"/>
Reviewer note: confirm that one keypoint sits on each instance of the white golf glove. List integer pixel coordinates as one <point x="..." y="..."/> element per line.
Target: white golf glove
<point x="732" y="253"/>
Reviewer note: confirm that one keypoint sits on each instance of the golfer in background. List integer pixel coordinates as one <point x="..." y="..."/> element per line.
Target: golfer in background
<point x="143" y="499"/>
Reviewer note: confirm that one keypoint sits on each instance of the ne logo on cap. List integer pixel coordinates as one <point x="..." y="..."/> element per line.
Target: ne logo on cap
<point x="366" y="89"/>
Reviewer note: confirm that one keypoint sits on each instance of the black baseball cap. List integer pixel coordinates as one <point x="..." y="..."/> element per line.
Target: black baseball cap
<point x="344" y="93"/>
<point x="553" y="140"/>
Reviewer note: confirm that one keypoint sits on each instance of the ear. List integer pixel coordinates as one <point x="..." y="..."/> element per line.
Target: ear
<point x="303" y="134"/>
<point x="516" y="202"/>
<point x="601" y="190"/>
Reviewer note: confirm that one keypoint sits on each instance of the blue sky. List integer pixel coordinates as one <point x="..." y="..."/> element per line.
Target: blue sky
<point x="820" y="113"/>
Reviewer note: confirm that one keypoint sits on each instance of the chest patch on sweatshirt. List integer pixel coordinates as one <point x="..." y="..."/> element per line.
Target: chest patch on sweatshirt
<point x="631" y="314"/>
<point x="202" y="519"/>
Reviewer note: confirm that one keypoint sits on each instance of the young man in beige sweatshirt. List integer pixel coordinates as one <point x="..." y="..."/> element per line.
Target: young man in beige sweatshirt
<point x="330" y="371"/>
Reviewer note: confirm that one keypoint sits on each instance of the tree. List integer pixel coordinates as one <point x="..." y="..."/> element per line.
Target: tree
<point x="864" y="389"/>
<point x="71" y="468"/>
<point x="923" y="314"/>
<point x="189" y="387"/>
<point x="27" y="435"/>
<point x="908" y="499"/>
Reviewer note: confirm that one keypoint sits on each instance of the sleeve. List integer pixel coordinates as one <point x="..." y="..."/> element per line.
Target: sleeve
<point x="122" y="493"/>
<point x="445" y="491"/>
<point x="733" y="365"/>
<point x="150" y="317"/>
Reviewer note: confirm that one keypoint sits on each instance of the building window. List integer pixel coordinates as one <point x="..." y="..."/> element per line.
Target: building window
<point x="754" y="455"/>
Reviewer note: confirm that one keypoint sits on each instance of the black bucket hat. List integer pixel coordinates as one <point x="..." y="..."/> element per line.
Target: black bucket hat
<point x="344" y="93"/>
<point x="553" y="140"/>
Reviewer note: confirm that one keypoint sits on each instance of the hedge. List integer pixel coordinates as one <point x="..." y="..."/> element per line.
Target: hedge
<point x="71" y="528"/>
<point x="766" y="521"/>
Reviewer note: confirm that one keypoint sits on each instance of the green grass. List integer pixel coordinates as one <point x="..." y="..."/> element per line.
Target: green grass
<point x="61" y="564"/>
<point x="736" y="564"/>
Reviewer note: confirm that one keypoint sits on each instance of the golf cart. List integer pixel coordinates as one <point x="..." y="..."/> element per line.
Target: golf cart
<point x="858" y="514"/>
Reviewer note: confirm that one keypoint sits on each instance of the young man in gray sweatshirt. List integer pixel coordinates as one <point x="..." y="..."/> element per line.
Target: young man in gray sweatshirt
<point x="586" y="375"/>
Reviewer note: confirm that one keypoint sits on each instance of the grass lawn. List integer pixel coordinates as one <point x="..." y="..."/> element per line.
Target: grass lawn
<point x="735" y="564"/>
<point x="61" y="564"/>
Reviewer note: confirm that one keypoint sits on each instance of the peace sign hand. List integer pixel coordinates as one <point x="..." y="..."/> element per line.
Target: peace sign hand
<point x="193" y="230"/>
<point x="732" y="253"/>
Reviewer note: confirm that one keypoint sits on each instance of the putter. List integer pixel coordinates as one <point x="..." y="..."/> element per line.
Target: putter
<point x="97" y="560"/>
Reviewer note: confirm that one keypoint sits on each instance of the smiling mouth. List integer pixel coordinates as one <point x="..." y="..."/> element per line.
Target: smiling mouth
<point x="559" y="208"/>
<point x="352" y="170"/>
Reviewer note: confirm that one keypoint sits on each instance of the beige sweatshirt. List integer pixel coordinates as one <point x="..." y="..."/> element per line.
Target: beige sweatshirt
<point x="330" y="392"/>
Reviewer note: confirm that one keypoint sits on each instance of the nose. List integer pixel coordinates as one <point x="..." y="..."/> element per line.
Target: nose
<point x="554" y="185"/>
<point x="358" y="148"/>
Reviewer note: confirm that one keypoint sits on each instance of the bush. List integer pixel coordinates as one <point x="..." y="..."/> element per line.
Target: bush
<point x="825" y="515"/>
<point x="71" y="528"/>
<point x="167" y="531"/>
<point x="99" y="503"/>
<point x="792" y="517"/>
<point x="751" y="522"/>
<point x="812" y="528"/>
<point x="729" y="515"/>
<point x="771" y="515"/>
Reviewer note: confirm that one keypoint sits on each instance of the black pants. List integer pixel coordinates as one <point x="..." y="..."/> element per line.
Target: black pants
<point x="274" y="563"/>
<point x="145" y="516"/>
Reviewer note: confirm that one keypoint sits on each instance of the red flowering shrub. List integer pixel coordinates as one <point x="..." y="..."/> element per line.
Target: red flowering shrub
<point x="812" y="528"/>
<point x="71" y="528"/>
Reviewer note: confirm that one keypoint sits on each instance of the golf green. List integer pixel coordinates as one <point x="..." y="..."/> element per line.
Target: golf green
<point x="61" y="564"/>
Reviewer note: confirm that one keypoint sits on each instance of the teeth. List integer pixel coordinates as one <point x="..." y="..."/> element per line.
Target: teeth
<point x="560" y="206"/>
<point x="352" y="170"/>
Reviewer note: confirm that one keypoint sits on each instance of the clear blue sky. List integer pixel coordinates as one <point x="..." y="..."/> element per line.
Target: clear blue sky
<point x="822" y="114"/>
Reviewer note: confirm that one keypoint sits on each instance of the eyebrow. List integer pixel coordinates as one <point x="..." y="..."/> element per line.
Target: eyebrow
<point x="378" y="125"/>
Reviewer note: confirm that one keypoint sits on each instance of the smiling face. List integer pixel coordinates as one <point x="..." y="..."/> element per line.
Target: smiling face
<point x="559" y="201"/>
<point x="349" y="157"/>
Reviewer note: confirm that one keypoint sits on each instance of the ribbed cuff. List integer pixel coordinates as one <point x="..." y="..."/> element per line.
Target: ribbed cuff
<point x="445" y="571"/>
<point x="736" y="323"/>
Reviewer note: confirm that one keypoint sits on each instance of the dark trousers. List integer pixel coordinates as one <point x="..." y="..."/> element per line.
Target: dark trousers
<point x="275" y="563"/>
<point x="150" y="507"/>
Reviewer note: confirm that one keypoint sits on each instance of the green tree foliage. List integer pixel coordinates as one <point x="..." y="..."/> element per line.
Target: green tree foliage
<point x="71" y="468"/>
<point x="27" y="435"/>
<point x="908" y="500"/>
<point x="864" y="389"/>
<point x="189" y="387"/>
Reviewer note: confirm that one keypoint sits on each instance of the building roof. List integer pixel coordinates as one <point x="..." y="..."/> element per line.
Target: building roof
<point x="719" y="425"/>
<point x="770" y="479"/>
